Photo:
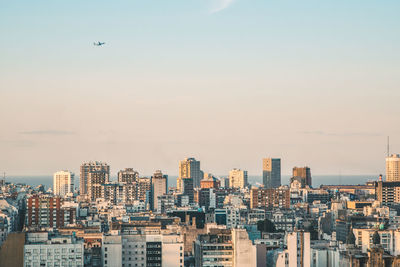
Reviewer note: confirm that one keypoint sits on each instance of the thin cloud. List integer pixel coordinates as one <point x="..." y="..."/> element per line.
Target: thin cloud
<point x="322" y="133"/>
<point x="47" y="132"/>
<point x="219" y="5"/>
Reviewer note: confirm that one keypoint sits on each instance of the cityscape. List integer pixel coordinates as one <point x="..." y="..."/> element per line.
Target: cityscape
<point x="199" y="133"/>
<point x="204" y="221"/>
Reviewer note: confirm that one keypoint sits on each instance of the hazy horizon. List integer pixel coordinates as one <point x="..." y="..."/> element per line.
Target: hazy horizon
<point x="312" y="82"/>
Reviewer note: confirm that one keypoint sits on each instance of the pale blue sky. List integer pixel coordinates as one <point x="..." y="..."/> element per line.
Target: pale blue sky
<point x="228" y="82"/>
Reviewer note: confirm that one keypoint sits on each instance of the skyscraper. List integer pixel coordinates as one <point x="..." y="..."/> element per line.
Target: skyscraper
<point x="189" y="168"/>
<point x="159" y="184"/>
<point x="393" y="168"/>
<point x="63" y="183"/>
<point x="237" y="178"/>
<point x="271" y="172"/>
<point x="98" y="171"/>
<point x="304" y="173"/>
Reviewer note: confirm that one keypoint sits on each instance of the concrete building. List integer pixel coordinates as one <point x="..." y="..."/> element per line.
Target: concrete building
<point x="297" y="253"/>
<point x="165" y="202"/>
<point x="268" y="198"/>
<point x="159" y="184"/>
<point x="393" y="168"/>
<point x="99" y="169"/>
<point x="63" y="183"/>
<point x="244" y="252"/>
<point x="210" y="181"/>
<point x="111" y="250"/>
<point x="128" y="175"/>
<point x="189" y="168"/>
<point x="304" y="173"/>
<point x="144" y="190"/>
<point x="42" y="249"/>
<point x="45" y="211"/>
<point x="96" y="180"/>
<point x="238" y="178"/>
<point x="271" y="172"/>
<point x="142" y="249"/>
<point x="114" y="192"/>
<point x="389" y="239"/>
<point x="223" y="247"/>
<point x="387" y="192"/>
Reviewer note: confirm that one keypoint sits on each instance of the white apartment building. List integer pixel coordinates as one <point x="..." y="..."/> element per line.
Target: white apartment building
<point x="40" y="249"/>
<point x="143" y="249"/>
<point x="297" y="253"/>
<point x="393" y="168"/>
<point x="63" y="183"/>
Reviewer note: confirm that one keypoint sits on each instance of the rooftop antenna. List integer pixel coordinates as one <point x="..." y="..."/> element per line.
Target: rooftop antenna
<point x="388" y="146"/>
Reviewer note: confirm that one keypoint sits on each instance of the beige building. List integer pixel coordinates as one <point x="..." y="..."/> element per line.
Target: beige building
<point x="390" y="239"/>
<point x="63" y="183"/>
<point x="92" y="167"/>
<point x="297" y="252"/>
<point x="237" y="178"/>
<point x="189" y="168"/>
<point x="393" y="168"/>
<point x="159" y="184"/>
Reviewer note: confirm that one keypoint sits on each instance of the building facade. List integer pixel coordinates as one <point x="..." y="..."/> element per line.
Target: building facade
<point x="268" y="198"/>
<point x="159" y="183"/>
<point x="63" y="183"/>
<point x="40" y="249"/>
<point x="189" y="168"/>
<point x="304" y="173"/>
<point x="90" y="167"/>
<point x="128" y="175"/>
<point x="238" y="178"/>
<point x="271" y="172"/>
<point x="393" y="168"/>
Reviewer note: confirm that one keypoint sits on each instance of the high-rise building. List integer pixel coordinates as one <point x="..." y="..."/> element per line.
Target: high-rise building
<point x="89" y="167"/>
<point x="63" y="183"/>
<point x="304" y="173"/>
<point x="237" y="178"/>
<point x="269" y="198"/>
<point x="271" y="172"/>
<point x="45" y="211"/>
<point x="159" y="184"/>
<point x="144" y="190"/>
<point x="387" y="192"/>
<point x="128" y="176"/>
<point x="393" y="168"/>
<point x="189" y="168"/>
<point x="95" y="181"/>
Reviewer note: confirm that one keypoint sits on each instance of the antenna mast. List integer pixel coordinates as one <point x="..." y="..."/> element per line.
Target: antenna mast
<point x="388" y="146"/>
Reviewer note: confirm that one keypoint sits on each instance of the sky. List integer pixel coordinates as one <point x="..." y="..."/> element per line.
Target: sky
<point x="225" y="81"/>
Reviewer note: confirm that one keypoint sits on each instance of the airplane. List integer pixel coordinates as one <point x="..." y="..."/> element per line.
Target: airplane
<point x="98" y="44"/>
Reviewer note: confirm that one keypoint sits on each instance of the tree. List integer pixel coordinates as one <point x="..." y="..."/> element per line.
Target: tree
<point x="266" y="226"/>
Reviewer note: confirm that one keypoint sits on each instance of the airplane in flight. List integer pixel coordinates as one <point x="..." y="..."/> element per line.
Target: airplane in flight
<point x="99" y="44"/>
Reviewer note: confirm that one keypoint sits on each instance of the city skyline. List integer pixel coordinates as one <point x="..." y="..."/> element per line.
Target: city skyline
<point x="311" y="82"/>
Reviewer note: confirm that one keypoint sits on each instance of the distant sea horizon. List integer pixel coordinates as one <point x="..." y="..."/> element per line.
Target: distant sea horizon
<point x="317" y="180"/>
